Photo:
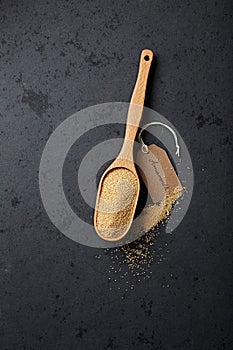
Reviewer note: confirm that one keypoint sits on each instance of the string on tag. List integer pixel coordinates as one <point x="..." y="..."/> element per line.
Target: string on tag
<point x="145" y="147"/>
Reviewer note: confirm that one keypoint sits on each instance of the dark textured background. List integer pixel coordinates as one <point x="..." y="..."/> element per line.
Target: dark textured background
<point x="57" y="57"/>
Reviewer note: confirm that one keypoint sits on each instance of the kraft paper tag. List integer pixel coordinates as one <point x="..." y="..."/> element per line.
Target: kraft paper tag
<point x="158" y="174"/>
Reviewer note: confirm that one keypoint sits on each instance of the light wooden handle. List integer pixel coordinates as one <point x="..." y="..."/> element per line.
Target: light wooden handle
<point x="138" y="96"/>
<point x="136" y="105"/>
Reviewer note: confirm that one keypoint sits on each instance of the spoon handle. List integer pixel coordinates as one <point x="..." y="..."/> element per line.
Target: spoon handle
<point x="137" y="101"/>
<point x="139" y="91"/>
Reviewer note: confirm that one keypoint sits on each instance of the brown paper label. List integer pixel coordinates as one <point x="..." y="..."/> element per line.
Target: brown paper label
<point x="158" y="174"/>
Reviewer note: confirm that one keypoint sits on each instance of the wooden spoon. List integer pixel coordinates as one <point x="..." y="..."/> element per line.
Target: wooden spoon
<point x="125" y="162"/>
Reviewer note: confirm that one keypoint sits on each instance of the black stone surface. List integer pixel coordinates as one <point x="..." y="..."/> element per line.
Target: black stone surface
<point x="57" y="57"/>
